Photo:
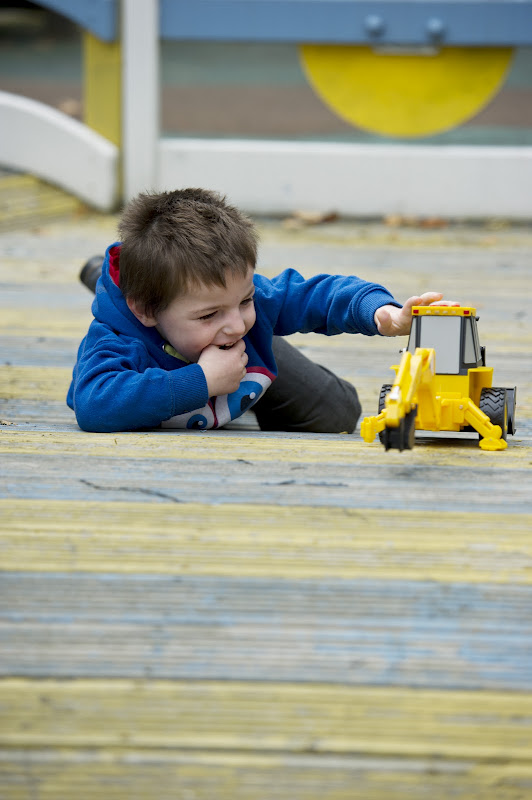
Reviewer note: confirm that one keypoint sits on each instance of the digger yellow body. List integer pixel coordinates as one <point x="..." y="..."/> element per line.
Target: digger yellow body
<point x="457" y="397"/>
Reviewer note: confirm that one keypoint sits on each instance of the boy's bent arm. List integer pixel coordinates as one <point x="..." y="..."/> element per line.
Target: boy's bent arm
<point x="111" y="393"/>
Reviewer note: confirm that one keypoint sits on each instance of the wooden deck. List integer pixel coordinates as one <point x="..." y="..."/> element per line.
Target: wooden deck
<point x="249" y="616"/>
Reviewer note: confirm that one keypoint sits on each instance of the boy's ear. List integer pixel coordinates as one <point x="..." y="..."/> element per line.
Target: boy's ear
<point x="138" y="310"/>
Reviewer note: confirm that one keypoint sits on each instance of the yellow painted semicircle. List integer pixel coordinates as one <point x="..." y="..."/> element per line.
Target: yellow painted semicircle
<point x="405" y="94"/>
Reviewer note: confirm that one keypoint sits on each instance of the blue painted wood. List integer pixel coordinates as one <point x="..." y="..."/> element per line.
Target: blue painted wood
<point x="400" y="22"/>
<point x="394" y="633"/>
<point x="97" y="16"/>
<point x="38" y="351"/>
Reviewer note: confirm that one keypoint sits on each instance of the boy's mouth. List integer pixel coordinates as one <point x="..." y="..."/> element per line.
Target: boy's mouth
<point x="226" y="346"/>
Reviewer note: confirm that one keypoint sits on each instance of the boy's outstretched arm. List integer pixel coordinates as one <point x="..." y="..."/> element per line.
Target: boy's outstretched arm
<point x="392" y="321"/>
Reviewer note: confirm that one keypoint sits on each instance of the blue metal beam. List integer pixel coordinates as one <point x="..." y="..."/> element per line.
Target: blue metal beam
<point x="390" y="22"/>
<point x="100" y="17"/>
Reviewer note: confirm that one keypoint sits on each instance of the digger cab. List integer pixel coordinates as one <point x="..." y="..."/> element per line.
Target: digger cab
<point x="452" y="332"/>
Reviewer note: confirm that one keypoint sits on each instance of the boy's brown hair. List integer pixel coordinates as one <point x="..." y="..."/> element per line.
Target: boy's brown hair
<point x="172" y="241"/>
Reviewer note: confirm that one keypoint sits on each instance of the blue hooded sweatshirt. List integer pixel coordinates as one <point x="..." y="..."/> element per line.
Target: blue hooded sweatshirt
<point x="126" y="376"/>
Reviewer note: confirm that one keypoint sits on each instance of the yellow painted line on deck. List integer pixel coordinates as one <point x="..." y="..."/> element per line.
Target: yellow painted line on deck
<point x="289" y="542"/>
<point x="221" y="446"/>
<point x="38" y="383"/>
<point x="47" y="322"/>
<point x="26" y="201"/>
<point x="226" y="715"/>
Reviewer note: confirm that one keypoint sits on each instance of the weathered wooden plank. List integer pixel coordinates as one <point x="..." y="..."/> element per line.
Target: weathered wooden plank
<point x="28" y="198"/>
<point x="207" y="776"/>
<point x="394" y="633"/>
<point x="256" y="716"/>
<point x="260" y="447"/>
<point x="45" y="414"/>
<point x="384" y="481"/>
<point x="132" y="774"/>
<point x="265" y="540"/>
<point x="32" y="351"/>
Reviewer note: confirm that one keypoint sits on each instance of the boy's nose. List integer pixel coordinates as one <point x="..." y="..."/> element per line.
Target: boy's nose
<point x="235" y="324"/>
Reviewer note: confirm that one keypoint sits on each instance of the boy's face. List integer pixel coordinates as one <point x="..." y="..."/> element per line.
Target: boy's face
<point x="206" y="315"/>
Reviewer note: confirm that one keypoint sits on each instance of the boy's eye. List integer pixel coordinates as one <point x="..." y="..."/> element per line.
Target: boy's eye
<point x="209" y="316"/>
<point x="247" y="301"/>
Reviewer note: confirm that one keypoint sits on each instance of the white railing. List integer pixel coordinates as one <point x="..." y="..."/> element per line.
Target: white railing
<point x="37" y="139"/>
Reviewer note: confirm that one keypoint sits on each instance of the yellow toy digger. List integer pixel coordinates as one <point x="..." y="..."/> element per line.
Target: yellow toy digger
<point x="442" y="384"/>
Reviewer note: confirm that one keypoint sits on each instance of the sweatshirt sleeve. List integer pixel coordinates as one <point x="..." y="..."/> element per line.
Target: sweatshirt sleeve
<point x="117" y="388"/>
<point x="328" y="304"/>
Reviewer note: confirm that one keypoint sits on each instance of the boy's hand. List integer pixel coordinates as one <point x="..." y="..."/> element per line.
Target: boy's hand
<point x="224" y="369"/>
<point x="392" y="321"/>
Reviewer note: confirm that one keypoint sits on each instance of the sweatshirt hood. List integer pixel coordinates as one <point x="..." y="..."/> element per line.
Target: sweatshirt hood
<point x="110" y="308"/>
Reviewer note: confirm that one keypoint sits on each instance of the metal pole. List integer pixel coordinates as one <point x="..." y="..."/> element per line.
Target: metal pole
<point x="140" y="95"/>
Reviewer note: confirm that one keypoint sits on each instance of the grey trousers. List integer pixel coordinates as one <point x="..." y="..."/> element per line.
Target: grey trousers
<point x="306" y="397"/>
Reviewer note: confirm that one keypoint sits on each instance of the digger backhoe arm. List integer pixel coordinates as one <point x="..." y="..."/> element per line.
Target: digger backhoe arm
<point x="415" y="373"/>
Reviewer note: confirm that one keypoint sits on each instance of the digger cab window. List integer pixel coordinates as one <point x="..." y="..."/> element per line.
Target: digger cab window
<point x="472" y="355"/>
<point x="442" y="334"/>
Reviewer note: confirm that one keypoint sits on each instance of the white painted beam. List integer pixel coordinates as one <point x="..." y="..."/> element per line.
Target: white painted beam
<point x="272" y="177"/>
<point x="37" y="139"/>
<point x="140" y="94"/>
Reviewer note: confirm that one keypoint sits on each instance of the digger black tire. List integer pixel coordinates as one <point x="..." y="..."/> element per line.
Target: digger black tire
<point x="382" y="397"/>
<point x="494" y="403"/>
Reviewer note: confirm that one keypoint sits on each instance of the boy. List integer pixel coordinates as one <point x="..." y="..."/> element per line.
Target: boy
<point x="185" y="334"/>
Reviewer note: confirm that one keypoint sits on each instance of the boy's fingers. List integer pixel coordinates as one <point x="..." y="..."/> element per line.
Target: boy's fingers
<point x="423" y="300"/>
<point x="429" y="297"/>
